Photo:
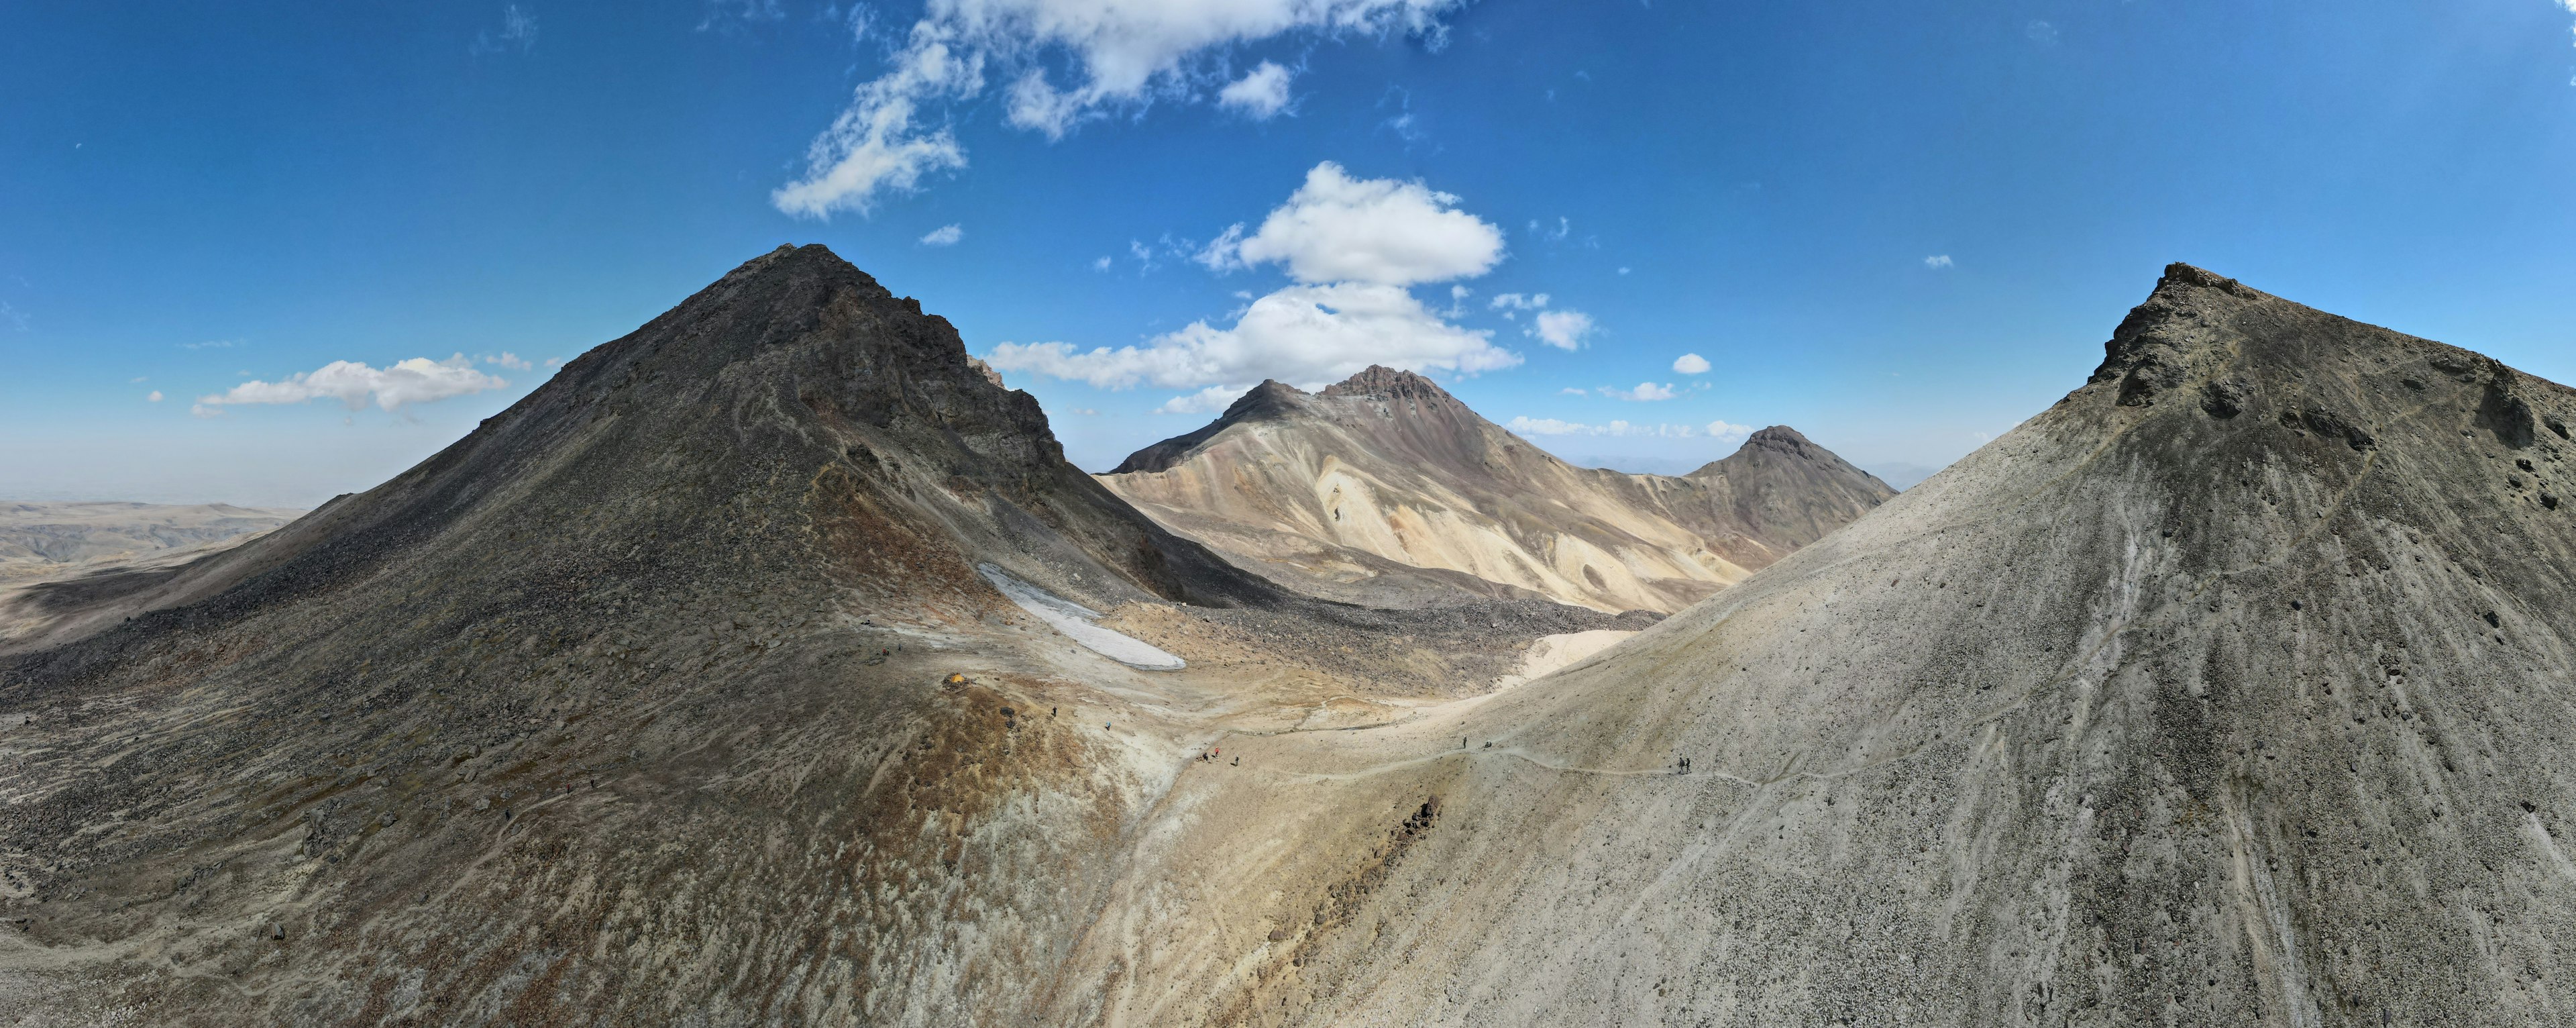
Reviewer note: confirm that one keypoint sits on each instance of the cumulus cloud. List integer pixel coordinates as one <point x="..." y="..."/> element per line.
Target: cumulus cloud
<point x="1691" y="364"/>
<point x="1336" y="228"/>
<point x="1517" y="302"/>
<point x="1115" y="53"/>
<point x="418" y="380"/>
<point x="1261" y="94"/>
<point x="1563" y="329"/>
<point x="509" y="360"/>
<point x="1301" y="333"/>
<point x="1725" y="432"/>
<point x="944" y="235"/>
<point x="1937" y="261"/>
<point x="1211" y="400"/>
<point x="1644" y="391"/>
<point x="153" y="397"/>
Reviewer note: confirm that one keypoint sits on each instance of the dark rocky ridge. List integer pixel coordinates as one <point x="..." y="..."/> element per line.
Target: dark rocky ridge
<point x="627" y="708"/>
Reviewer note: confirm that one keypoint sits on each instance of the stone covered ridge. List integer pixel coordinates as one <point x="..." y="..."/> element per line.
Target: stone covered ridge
<point x="1385" y="383"/>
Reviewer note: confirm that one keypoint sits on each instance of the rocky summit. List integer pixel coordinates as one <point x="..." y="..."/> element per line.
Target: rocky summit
<point x="1385" y="489"/>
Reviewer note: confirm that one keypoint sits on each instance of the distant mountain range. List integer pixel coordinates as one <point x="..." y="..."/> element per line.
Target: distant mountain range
<point x="1385" y="489"/>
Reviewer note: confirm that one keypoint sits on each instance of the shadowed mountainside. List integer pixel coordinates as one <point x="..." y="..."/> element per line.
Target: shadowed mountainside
<point x="1385" y="489"/>
<point x="672" y="692"/>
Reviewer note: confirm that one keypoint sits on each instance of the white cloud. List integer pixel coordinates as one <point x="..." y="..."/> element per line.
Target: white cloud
<point x="1644" y="391"/>
<point x="1727" y="433"/>
<point x="1937" y="261"/>
<point x="1261" y="94"/>
<point x="518" y="32"/>
<point x="211" y="344"/>
<point x="1564" y="330"/>
<point x="509" y="360"/>
<point x="874" y="145"/>
<point x="1102" y="264"/>
<point x="1573" y="391"/>
<point x="1623" y="270"/>
<point x="1117" y="53"/>
<point x="1550" y="426"/>
<point x="154" y="397"/>
<point x="418" y="380"/>
<point x="554" y="362"/>
<point x="944" y="235"/>
<point x="1517" y="302"/>
<point x="1306" y="333"/>
<point x="1211" y="400"/>
<point x="1691" y="364"/>
<point x="2041" y="32"/>
<point x="1336" y="228"/>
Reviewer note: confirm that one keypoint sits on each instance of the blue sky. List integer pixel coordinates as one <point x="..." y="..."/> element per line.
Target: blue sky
<point x="274" y="206"/>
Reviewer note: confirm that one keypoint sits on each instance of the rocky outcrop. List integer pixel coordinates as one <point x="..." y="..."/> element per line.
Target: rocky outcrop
<point x="1385" y="489"/>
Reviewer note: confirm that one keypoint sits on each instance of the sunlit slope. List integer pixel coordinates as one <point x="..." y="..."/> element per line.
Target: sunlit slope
<point x="1386" y="488"/>
<point x="2233" y="689"/>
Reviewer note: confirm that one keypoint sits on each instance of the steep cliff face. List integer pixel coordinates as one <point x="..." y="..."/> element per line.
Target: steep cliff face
<point x="679" y="690"/>
<point x="2232" y="689"/>
<point x="1386" y="489"/>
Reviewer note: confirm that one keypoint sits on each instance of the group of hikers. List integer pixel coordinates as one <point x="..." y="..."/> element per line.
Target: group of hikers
<point x="1216" y="752"/>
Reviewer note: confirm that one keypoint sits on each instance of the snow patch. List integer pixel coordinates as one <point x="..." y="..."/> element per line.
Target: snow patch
<point x="1075" y="621"/>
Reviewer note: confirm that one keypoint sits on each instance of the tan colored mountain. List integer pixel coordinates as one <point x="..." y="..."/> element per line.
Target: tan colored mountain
<point x="1385" y="489"/>
<point x="49" y="539"/>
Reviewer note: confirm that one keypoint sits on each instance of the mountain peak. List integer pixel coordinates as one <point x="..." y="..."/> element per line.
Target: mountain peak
<point x="1385" y="383"/>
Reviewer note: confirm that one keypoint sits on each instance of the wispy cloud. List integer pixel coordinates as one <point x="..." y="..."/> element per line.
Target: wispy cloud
<point x="1645" y="391"/>
<point x="152" y="397"/>
<point x="1719" y="430"/>
<point x="417" y="380"/>
<point x="737" y="15"/>
<point x="509" y="360"/>
<point x="211" y="344"/>
<point x="944" y="235"/>
<point x="518" y="33"/>
<point x="1120" y="54"/>
<point x="2040" y="33"/>
<point x="1937" y="261"/>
